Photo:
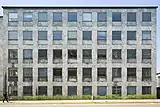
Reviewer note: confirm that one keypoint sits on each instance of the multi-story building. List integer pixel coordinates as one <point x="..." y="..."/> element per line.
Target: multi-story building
<point x="78" y="50"/>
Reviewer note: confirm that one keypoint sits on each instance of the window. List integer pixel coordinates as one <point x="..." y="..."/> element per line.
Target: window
<point x="116" y="35"/>
<point x="101" y="17"/>
<point x="131" y="53"/>
<point x="131" y="35"/>
<point x="72" y="54"/>
<point x="72" y="35"/>
<point x="116" y="73"/>
<point x="12" y="35"/>
<point x="57" y="74"/>
<point x="131" y="90"/>
<point x="146" y="53"/>
<point x="87" y="54"/>
<point x="101" y="90"/>
<point x="42" y="54"/>
<point x="13" y="17"/>
<point x="57" y="17"/>
<point x="42" y="16"/>
<point x="131" y="74"/>
<point x="57" y="90"/>
<point x="27" y="90"/>
<point x="146" y="89"/>
<point x="87" y="74"/>
<point x="42" y="35"/>
<point x="42" y="74"/>
<point x="13" y="74"/>
<point x="87" y="90"/>
<point x="57" y="35"/>
<point x="131" y="16"/>
<point x="12" y="55"/>
<point x="101" y="35"/>
<point x="102" y="54"/>
<point x="27" y="35"/>
<point x="87" y="17"/>
<point x="42" y="90"/>
<point x="27" y="16"/>
<point x="116" y="90"/>
<point x="87" y="35"/>
<point x="72" y="74"/>
<point x="27" y="53"/>
<point x="146" y="16"/>
<point x="116" y="17"/>
<point x="27" y="75"/>
<point x="116" y="54"/>
<point x="72" y="90"/>
<point x="102" y="74"/>
<point x="146" y="74"/>
<point x="57" y="54"/>
<point x="72" y="17"/>
<point x="146" y="35"/>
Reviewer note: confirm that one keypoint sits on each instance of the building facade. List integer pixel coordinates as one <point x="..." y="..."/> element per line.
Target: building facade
<point x="49" y="50"/>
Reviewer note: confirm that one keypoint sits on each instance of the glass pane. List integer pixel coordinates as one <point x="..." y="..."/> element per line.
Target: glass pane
<point x="13" y="16"/>
<point x="116" y="17"/>
<point x="72" y="90"/>
<point x="57" y="35"/>
<point x="27" y="16"/>
<point x="27" y="35"/>
<point x="42" y="16"/>
<point x="101" y="90"/>
<point x="146" y="16"/>
<point x="57" y="17"/>
<point x="102" y="17"/>
<point x="131" y="16"/>
<point x="116" y="54"/>
<point x="131" y="90"/>
<point x="101" y="35"/>
<point x="27" y="72"/>
<point x="72" y="35"/>
<point x="72" y="17"/>
<point x="116" y="35"/>
<point x="42" y="72"/>
<point x="146" y="35"/>
<point x="12" y="35"/>
<point x="131" y="53"/>
<point x="131" y="35"/>
<point x="87" y="90"/>
<point x="42" y="35"/>
<point x="27" y="53"/>
<point x="87" y="17"/>
<point x="87" y="35"/>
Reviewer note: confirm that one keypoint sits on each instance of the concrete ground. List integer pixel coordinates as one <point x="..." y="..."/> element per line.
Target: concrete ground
<point x="79" y="105"/>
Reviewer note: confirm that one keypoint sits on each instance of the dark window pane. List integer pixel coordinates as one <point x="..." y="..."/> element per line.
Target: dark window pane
<point x="42" y="16"/>
<point x="116" y="35"/>
<point x="27" y="35"/>
<point x="42" y="35"/>
<point x="146" y="16"/>
<point x="131" y="35"/>
<point x="57" y="35"/>
<point x="27" y="90"/>
<point x="116" y="54"/>
<point x="116" y="17"/>
<point x="146" y="53"/>
<point x="131" y="16"/>
<point x="101" y="90"/>
<point x="131" y="90"/>
<point x="42" y="90"/>
<point x="102" y="17"/>
<point x="87" y="90"/>
<point x="87" y="35"/>
<point x="146" y="89"/>
<point x="57" y="90"/>
<point x="57" y="17"/>
<point x="131" y="53"/>
<point x="72" y="90"/>
<point x="72" y="17"/>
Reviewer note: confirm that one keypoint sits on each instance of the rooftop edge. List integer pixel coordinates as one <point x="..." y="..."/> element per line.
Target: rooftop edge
<point x="79" y="6"/>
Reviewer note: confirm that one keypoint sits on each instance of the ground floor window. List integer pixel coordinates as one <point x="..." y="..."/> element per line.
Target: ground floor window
<point x="57" y="90"/>
<point x="87" y="90"/>
<point x="116" y="90"/>
<point x="42" y="90"/>
<point x="146" y="89"/>
<point x="131" y="90"/>
<point x="27" y="90"/>
<point x="72" y="90"/>
<point x="101" y="90"/>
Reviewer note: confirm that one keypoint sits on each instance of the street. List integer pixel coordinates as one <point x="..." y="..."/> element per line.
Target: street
<point x="79" y="105"/>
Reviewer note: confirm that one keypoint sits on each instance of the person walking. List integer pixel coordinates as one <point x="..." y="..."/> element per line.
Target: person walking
<point x="5" y="97"/>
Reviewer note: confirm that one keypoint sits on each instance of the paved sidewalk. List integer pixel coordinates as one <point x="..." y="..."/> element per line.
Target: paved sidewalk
<point x="85" y="101"/>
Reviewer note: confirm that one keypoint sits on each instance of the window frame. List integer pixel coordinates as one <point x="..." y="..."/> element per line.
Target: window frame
<point x="113" y="17"/>
<point x="118" y="58"/>
<point x="56" y="35"/>
<point x="27" y="35"/>
<point x="45" y="37"/>
<point x="60" y="19"/>
<point x="132" y="14"/>
<point x="115" y="35"/>
<point x="99" y="37"/>
<point x="86" y="35"/>
<point x="130" y="35"/>
<point x="144" y="16"/>
<point x="148" y="33"/>
<point x="13" y="39"/>
<point x="10" y="19"/>
<point x="72" y="34"/>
